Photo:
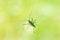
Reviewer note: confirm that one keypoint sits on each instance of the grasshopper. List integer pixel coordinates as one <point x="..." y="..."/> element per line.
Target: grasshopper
<point x="31" y="22"/>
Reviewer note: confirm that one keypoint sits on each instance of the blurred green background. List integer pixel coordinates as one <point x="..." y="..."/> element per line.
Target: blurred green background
<point x="14" y="14"/>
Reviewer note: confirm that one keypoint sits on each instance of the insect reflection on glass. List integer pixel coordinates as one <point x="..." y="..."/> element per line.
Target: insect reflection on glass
<point x="31" y="22"/>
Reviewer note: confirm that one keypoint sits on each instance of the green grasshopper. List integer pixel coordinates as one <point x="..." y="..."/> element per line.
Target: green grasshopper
<point x="31" y="22"/>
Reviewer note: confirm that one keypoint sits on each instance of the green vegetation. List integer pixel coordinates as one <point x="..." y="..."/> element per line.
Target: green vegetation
<point x="15" y="13"/>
